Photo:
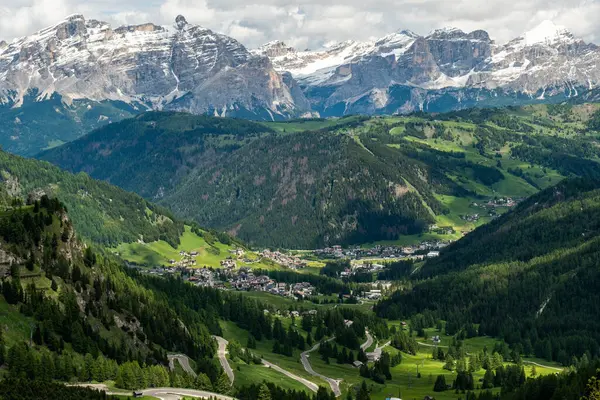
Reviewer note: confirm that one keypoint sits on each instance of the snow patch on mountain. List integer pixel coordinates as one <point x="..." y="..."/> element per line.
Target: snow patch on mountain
<point x="546" y="32"/>
<point x="147" y="64"/>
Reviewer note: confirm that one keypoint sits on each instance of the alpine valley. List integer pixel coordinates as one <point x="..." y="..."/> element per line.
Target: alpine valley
<point x="410" y="217"/>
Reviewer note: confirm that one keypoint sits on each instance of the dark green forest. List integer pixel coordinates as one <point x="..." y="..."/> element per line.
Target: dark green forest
<point x="354" y="180"/>
<point x="530" y="277"/>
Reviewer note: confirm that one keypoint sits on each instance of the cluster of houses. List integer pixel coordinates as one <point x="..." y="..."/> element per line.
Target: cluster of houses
<point x="244" y="279"/>
<point x="382" y="252"/>
<point x="293" y="262"/>
<point x="373" y="294"/>
<point x="356" y="268"/>
<point x="247" y="281"/>
<point x="499" y="202"/>
<point x="187" y="260"/>
<point x="290" y="314"/>
<point x="441" y="230"/>
<point x="470" y="217"/>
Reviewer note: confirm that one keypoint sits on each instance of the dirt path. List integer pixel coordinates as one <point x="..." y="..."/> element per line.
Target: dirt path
<point x="333" y="383"/>
<point x="541" y="365"/>
<point x="222" y="354"/>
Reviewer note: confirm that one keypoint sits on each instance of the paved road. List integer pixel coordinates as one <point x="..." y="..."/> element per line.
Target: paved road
<point x="176" y="394"/>
<point x="165" y="393"/>
<point x="311" y="385"/>
<point x="376" y="353"/>
<point x="333" y="383"/>
<point x="222" y="353"/>
<point x="368" y="343"/>
<point x="183" y="360"/>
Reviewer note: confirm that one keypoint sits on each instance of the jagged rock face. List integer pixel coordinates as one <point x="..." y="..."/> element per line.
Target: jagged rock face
<point x="189" y="68"/>
<point x="447" y="69"/>
<point x="148" y="64"/>
<point x="456" y="53"/>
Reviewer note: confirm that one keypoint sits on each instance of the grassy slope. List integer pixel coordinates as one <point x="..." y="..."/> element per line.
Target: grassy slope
<point x="401" y="375"/>
<point x="264" y="350"/>
<point x="159" y="253"/>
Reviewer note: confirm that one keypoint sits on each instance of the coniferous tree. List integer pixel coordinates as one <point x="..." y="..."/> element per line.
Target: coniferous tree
<point x="440" y="384"/>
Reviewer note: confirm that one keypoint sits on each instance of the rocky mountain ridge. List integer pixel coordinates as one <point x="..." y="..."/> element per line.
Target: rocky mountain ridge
<point x="181" y="66"/>
<point x="446" y="69"/>
<point x="80" y="74"/>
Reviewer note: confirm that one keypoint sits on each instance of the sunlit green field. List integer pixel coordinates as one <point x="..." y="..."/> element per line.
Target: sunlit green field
<point x="159" y="253"/>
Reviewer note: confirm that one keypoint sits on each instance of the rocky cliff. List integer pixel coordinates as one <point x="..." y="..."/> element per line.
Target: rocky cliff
<point x="447" y="69"/>
<point x="181" y="66"/>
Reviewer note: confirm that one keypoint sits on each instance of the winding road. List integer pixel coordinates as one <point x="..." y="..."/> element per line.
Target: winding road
<point x="183" y="360"/>
<point x="543" y="366"/>
<point x="376" y="353"/>
<point x="176" y="394"/>
<point x="333" y="383"/>
<point x="222" y="354"/>
<point x="311" y="385"/>
<point x="368" y="343"/>
<point x="165" y="393"/>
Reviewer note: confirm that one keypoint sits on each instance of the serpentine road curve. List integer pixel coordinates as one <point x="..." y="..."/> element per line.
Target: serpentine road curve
<point x="165" y="393"/>
<point x="222" y="354"/>
<point x="333" y="383"/>
<point x="311" y="385"/>
<point x="368" y="343"/>
<point x="183" y="360"/>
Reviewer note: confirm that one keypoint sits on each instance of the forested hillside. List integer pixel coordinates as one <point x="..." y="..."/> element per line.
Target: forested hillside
<point x="91" y="319"/>
<point x="318" y="182"/>
<point x="101" y="212"/>
<point x="304" y="191"/>
<point x="72" y="313"/>
<point x="35" y="125"/>
<point x="530" y="277"/>
<point x="152" y="152"/>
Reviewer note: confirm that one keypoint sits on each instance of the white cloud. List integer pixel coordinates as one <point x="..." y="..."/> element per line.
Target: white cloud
<point x="310" y="23"/>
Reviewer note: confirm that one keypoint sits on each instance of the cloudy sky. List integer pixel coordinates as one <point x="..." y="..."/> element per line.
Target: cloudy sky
<point x="309" y="23"/>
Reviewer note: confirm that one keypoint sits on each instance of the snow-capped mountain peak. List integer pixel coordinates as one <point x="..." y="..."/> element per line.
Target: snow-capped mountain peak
<point x="186" y="67"/>
<point x="546" y="33"/>
<point x="543" y="62"/>
<point x="181" y="66"/>
<point x="447" y="31"/>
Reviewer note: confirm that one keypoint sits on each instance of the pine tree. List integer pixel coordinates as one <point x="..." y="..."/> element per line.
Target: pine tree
<point x="440" y="384"/>
<point x="263" y="392"/>
<point x="223" y="385"/>
<point x="2" y="346"/>
<point x="488" y="380"/>
<point x="251" y="344"/>
<point x="202" y="382"/>
<point x="363" y="392"/>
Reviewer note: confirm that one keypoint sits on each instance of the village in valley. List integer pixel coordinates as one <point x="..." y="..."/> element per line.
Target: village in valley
<point x="241" y="269"/>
